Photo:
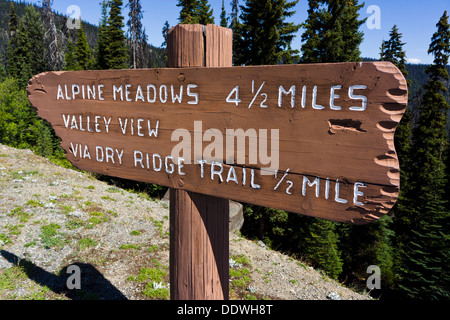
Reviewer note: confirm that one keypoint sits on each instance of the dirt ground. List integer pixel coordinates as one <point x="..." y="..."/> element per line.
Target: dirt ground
<point x="52" y="218"/>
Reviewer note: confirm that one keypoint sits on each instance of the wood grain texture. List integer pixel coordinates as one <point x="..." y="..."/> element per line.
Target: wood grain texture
<point x="199" y="234"/>
<point x="349" y="146"/>
<point x="199" y="246"/>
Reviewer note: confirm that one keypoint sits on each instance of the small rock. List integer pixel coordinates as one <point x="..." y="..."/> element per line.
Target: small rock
<point x="251" y="289"/>
<point x="236" y="216"/>
<point x="76" y="214"/>
<point x="234" y="264"/>
<point x="333" y="296"/>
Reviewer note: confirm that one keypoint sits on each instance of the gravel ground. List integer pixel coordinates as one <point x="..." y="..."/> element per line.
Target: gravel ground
<point x="52" y="218"/>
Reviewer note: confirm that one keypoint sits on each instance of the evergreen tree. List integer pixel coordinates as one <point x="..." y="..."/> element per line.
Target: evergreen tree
<point x="382" y="50"/>
<point x="366" y="245"/>
<point x="70" y="61"/>
<point x="205" y="13"/>
<point x="235" y="26"/>
<point x="332" y="35"/>
<point x="13" y="25"/>
<point x="332" y="31"/>
<point x="426" y="273"/>
<point x="54" y="39"/>
<point x="189" y="11"/>
<point x="320" y="246"/>
<point x="263" y="36"/>
<point x="392" y="50"/>
<point x="13" y="20"/>
<point x="82" y="50"/>
<point x="136" y="34"/>
<point x="102" y="41"/>
<point x="116" y="49"/>
<point x="18" y="122"/>
<point x="2" y="72"/>
<point x="19" y="58"/>
<point x="195" y="11"/>
<point x="223" y="16"/>
<point x="234" y="16"/>
<point x="45" y="138"/>
<point x="35" y="34"/>
<point x="146" y="56"/>
<point x="165" y="32"/>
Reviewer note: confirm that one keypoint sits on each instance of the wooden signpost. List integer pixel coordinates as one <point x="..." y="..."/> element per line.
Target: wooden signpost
<point x="315" y="139"/>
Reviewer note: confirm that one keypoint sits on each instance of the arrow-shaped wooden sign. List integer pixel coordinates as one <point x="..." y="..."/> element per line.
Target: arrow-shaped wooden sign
<point x="312" y="139"/>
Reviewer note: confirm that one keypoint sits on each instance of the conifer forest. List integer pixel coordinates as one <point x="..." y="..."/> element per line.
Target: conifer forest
<point x="410" y="245"/>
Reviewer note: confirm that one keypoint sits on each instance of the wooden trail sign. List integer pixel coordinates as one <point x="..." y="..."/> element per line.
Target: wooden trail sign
<point x="312" y="139"/>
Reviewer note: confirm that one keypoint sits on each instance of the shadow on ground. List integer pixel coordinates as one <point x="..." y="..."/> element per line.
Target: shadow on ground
<point x="94" y="286"/>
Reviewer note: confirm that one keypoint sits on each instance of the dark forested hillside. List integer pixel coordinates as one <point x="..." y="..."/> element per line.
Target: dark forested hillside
<point x="60" y="21"/>
<point x="418" y="78"/>
<point x="156" y="55"/>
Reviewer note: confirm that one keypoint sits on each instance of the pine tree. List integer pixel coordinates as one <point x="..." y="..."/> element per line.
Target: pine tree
<point x="263" y="36"/>
<point x="205" y="13"/>
<point x="18" y="122"/>
<point x="382" y="50"/>
<point x="426" y="273"/>
<point x="70" y="61"/>
<point x="136" y="34"/>
<point x="116" y="49"/>
<point x="165" y="32"/>
<point x="366" y="245"/>
<point x="223" y="16"/>
<point x="54" y="39"/>
<point x="13" y="25"/>
<point x="392" y="50"/>
<point x="332" y="35"/>
<point x="2" y="71"/>
<point x="19" y="58"/>
<point x="146" y="55"/>
<point x="321" y="246"/>
<point x="13" y="20"/>
<point x="235" y="27"/>
<point x="35" y="30"/>
<point x="44" y="140"/>
<point x="234" y="16"/>
<point x="332" y="31"/>
<point x="82" y="50"/>
<point x="102" y="41"/>
<point x="189" y="11"/>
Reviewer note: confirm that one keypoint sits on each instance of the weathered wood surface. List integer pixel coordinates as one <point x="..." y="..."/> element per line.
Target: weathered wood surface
<point x="195" y="45"/>
<point x="199" y="224"/>
<point x="339" y="147"/>
<point x="199" y="250"/>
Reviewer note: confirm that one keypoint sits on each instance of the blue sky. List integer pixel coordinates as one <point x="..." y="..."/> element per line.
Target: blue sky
<point x="416" y="20"/>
